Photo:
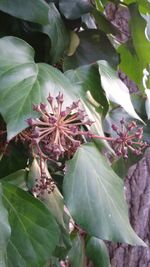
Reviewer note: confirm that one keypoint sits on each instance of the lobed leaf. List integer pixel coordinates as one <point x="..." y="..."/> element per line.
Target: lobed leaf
<point x="23" y="82"/>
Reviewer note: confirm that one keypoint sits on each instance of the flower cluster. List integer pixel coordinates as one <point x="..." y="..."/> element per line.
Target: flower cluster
<point x="58" y="131"/>
<point x="42" y="185"/>
<point x="128" y="138"/>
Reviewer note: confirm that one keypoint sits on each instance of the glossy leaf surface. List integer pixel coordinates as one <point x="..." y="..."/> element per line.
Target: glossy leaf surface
<point x="94" y="196"/>
<point x="23" y="82"/>
<point x="116" y="90"/>
<point x="34" y="233"/>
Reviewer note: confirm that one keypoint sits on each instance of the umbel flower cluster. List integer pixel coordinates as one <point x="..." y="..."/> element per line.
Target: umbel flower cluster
<point x="128" y="137"/>
<point x="58" y="131"/>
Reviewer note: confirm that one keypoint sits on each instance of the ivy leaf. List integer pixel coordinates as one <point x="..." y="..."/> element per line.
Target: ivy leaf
<point x="100" y="207"/>
<point x="48" y="18"/>
<point x="144" y="5"/>
<point x="35" y="233"/>
<point x="57" y="32"/>
<point x="53" y="201"/>
<point x="94" y="45"/>
<point x="5" y="231"/>
<point x="140" y="42"/>
<point x="76" y="254"/>
<point x="96" y="251"/>
<point x="23" y="9"/>
<point x="86" y="80"/>
<point x="14" y="160"/>
<point x="116" y="90"/>
<point x="104" y="24"/>
<point x="23" y="82"/>
<point x="74" y="9"/>
<point x="130" y="64"/>
<point x="17" y="178"/>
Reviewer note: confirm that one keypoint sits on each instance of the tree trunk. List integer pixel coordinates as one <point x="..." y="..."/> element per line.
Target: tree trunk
<point x="137" y="185"/>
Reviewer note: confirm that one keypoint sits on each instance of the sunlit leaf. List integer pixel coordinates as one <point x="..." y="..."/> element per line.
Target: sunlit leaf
<point x="140" y="41"/>
<point x="116" y="90"/>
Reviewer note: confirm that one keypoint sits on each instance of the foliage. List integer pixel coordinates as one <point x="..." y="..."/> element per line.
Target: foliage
<point x="69" y="125"/>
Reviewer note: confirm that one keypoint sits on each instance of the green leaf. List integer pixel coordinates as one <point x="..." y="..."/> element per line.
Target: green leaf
<point x="94" y="195"/>
<point x="53" y="201"/>
<point x="96" y="251"/>
<point x="130" y="64"/>
<point x="5" y="231"/>
<point x="76" y="254"/>
<point x="144" y="5"/>
<point x="140" y="42"/>
<point x="86" y="79"/>
<point x="34" y="233"/>
<point x="74" y="9"/>
<point x="49" y="20"/>
<point x="57" y="32"/>
<point x="104" y="24"/>
<point x="116" y="90"/>
<point x="94" y="45"/>
<point x="23" y="9"/>
<point x="23" y="82"/>
<point x="18" y="178"/>
<point x="15" y="159"/>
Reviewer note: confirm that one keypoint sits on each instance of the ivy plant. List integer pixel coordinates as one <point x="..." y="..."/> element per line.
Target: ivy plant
<point x="70" y="127"/>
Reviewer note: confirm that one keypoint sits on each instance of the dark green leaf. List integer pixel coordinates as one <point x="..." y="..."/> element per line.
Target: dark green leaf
<point x="34" y="11"/>
<point x="94" y="45"/>
<point x="74" y="9"/>
<point x="88" y="78"/>
<point x="104" y="24"/>
<point x="94" y="196"/>
<point x="121" y="166"/>
<point x="116" y="90"/>
<point x="49" y="20"/>
<point x="96" y="251"/>
<point x="76" y="254"/>
<point x="15" y="159"/>
<point x="34" y="233"/>
<point x="22" y="83"/>
<point x="5" y="232"/>
<point x="57" y="33"/>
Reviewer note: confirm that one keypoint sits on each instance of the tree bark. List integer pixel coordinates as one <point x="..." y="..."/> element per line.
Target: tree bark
<point x="137" y="185"/>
